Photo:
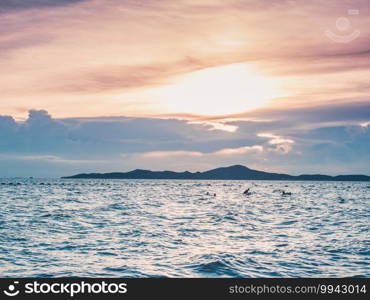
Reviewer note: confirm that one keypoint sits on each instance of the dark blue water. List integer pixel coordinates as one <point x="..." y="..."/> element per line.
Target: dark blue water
<point x="143" y="228"/>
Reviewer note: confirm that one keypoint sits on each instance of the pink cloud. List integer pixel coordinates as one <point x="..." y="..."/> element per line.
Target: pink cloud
<point x="226" y="151"/>
<point x="160" y="154"/>
<point x="240" y="150"/>
<point x="85" y="59"/>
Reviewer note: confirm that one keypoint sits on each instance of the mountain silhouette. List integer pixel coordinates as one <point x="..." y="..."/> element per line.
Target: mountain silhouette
<point x="236" y="172"/>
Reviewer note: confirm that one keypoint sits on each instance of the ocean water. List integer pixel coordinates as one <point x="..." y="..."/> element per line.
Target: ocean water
<point x="147" y="228"/>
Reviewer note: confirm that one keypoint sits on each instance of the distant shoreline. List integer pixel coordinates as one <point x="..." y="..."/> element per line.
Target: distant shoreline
<point x="236" y="172"/>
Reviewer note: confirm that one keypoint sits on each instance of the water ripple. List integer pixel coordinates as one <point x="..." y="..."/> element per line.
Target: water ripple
<point x="164" y="228"/>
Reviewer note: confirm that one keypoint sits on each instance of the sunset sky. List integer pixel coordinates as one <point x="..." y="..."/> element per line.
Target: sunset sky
<point x="114" y="85"/>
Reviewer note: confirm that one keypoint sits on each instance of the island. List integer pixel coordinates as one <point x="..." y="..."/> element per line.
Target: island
<point x="237" y="172"/>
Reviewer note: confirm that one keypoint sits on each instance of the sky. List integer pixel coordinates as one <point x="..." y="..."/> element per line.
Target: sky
<point x="115" y="85"/>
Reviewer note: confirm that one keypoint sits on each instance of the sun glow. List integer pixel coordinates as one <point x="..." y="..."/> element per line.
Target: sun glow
<point x="219" y="91"/>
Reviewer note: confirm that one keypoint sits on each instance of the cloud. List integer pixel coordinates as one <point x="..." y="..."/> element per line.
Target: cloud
<point x="41" y="134"/>
<point x="50" y="159"/>
<point x="306" y="116"/>
<point x="93" y="57"/>
<point x="227" y="151"/>
<point x="159" y="154"/>
<point x="217" y="125"/>
<point x="240" y="150"/>
<point x="281" y="144"/>
<point x="85" y="64"/>
<point x="10" y="5"/>
<point x="275" y="139"/>
<point x="44" y="146"/>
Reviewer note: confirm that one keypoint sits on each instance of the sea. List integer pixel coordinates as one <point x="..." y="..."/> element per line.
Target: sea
<point x="180" y="228"/>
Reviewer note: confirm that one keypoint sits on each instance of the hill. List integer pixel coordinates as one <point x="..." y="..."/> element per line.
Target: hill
<point x="236" y="172"/>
